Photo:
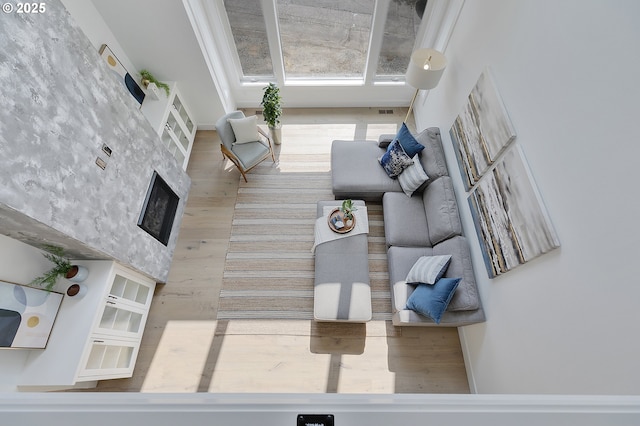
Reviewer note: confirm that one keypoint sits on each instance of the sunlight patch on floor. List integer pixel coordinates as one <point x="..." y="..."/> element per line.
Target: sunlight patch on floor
<point x="180" y="359"/>
<point x="303" y="356"/>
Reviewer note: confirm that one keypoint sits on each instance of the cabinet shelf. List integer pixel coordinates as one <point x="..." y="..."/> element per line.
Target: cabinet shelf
<point x="108" y="355"/>
<point x="172" y="120"/>
<point x="96" y="337"/>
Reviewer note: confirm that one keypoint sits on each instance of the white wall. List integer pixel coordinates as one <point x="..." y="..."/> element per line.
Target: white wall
<point x="19" y="263"/>
<point x="95" y="28"/>
<point x="569" y="321"/>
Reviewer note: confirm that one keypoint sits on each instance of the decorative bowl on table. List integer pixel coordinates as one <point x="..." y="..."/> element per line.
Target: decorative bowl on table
<point x="338" y="223"/>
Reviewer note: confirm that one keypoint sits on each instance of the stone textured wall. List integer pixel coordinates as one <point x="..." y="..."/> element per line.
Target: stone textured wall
<point x="59" y="103"/>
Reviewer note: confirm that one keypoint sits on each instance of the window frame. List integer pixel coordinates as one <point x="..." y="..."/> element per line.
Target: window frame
<point x="269" y="12"/>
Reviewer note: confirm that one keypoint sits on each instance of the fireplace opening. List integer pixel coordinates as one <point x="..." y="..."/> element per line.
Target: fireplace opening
<point x="159" y="209"/>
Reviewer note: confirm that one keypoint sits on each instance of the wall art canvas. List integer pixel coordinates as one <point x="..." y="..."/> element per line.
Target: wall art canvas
<point x="117" y="67"/>
<point x="512" y="224"/>
<point x="26" y="315"/>
<point x="481" y="131"/>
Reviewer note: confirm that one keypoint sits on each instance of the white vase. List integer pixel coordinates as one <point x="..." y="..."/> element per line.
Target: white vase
<point x="77" y="291"/>
<point x="276" y="134"/>
<point x="81" y="274"/>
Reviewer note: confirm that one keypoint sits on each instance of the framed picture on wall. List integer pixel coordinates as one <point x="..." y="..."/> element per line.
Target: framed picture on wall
<point x="511" y="221"/>
<point x="114" y="64"/>
<point x="27" y="315"/>
<point x="482" y="130"/>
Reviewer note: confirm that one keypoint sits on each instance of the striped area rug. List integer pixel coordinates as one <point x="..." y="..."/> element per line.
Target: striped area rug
<point x="269" y="267"/>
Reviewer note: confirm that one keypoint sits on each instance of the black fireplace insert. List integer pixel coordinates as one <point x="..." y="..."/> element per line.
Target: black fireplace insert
<point x="159" y="209"/>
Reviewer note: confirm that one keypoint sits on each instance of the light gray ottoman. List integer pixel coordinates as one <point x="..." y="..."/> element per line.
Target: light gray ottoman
<point x="342" y="290"/>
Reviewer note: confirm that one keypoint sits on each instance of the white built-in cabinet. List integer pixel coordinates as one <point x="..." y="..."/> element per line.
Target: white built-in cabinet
<point x="98" y="336"/>
<point x="173" y="122"/>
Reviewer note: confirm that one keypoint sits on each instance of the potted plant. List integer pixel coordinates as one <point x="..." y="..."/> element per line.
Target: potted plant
<point x="62" y="267"/>
<point x="347" y="208"/>
<point x="272" y="110"/>
<point x="147" y="78"/>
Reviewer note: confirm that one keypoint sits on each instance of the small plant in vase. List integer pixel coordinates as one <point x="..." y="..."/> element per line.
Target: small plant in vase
<point x="62" y="267"/>
<point x="147" y="78"/>
<point x="347" y="208"/>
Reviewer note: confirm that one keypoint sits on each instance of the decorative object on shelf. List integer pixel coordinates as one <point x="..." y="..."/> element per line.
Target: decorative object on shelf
<point x="152" y="91"/>
<point x="148" y="78"/>
<point x="27" y="315"/>
<point x="272" y="110"/>
<point x="425" y="69"/>
<point x="77" y="273"/>
<point x="77" y="290"/>
<point x="115" y="65"/>
<point x="62" y="267"/>
<point x="511" y="221"/>
<point x="482" y="130"/>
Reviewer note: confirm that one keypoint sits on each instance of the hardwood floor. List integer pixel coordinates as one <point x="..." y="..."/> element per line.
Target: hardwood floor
<point x="185" y="349"/>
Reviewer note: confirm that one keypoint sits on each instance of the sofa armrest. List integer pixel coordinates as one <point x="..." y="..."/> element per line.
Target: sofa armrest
<point x="385" y="139"/>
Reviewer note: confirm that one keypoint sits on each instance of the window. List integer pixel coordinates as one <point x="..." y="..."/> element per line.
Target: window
<point x="250" y="37"/>
<point x="400" y="32"/>
<point x="323" y="39"/>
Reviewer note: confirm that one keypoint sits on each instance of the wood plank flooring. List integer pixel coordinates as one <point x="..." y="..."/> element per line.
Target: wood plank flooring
<point x="184" y="348"/>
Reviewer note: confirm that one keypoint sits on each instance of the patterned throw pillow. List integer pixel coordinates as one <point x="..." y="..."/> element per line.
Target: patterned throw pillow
<point x="428" y="269"/>
<point x="413" y="177"/>
<point x="395" y="160"/>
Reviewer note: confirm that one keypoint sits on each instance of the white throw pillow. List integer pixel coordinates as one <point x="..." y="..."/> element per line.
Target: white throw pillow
<point x="245" y="129"/>
<point x="412" y="177"/>
<point x="428" y="269"/>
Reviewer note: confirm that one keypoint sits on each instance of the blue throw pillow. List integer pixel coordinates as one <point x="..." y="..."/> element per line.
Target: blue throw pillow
<point x="410" y="145"/>
<point x="432" y="300"/>
<point x="395" y="160"/>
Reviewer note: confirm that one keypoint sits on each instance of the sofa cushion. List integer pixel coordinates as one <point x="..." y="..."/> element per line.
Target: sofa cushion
<point x="428" y="269"/>
<point x="395" y="160"/>
<point x="441" y="210"/>
<point x="245" y="129"/>
<point x="413" y="177"/>
<point x="410" y="145"/>
<point x="250" y="153"/>
<point x="432" y="300"/>
<point x="385" y="139"/>
<point x="401" y="259"/>
<point x="405" y="223"/>
<point x="356" y="173"/>
<point x="432" y="156"/>
<point x="466" y="298"/>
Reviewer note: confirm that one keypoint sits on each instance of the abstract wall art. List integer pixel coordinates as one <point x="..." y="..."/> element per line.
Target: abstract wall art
<point x="115" y="65"/>
<point x="481" y="131"/>
<point x="26" y="315"/>
<point x="511" y="221"/>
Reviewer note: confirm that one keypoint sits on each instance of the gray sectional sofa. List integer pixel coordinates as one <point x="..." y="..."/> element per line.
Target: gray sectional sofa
<point x="424" y="224"/>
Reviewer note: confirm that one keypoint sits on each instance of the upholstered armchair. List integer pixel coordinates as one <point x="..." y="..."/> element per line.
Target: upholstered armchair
<point x="243" y="142"/>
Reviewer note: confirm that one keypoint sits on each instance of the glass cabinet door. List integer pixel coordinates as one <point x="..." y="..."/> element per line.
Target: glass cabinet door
<point x="119" y="319"/>
<point x="130" y="291"/>
<point x="110" y="359"/>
